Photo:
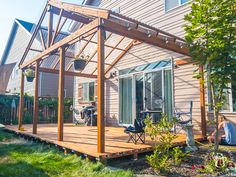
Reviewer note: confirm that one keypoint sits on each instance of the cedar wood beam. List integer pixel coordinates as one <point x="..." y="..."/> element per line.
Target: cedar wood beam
<point x="100" y="92"/>
<point x="36" y="87"/>
<point x="85" y="45"/>
<point x="21" y="103"/>
<point x="129" y="46"/>
<point x="138" y="23"/>
<point x="141" y="36"/>
<point x="89" y="28"/>
<point x="109" y="53"/>
<point x="106" y="45"/>
<point x="42" y="40"/>
<point x="61" y="93"/>
<point x="102" y="13"/>
<point x="56" y="30"/>
<point x="50" y="29"/>
<point x="68" y="73"/>
<point x="34" y="35"/>
<point x="91" y="56"/>
<point x="70" y="15"/>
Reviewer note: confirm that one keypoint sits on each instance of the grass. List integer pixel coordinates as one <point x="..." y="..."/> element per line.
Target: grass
<point x="19" y="158"/>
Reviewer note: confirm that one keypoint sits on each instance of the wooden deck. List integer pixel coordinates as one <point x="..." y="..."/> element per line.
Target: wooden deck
<point x="83" y="140"/>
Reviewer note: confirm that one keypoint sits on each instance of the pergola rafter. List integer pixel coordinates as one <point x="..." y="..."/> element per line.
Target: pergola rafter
<point x="93" y="21"/>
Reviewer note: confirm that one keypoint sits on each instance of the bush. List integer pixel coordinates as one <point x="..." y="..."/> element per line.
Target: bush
<point x="165" y="153"/>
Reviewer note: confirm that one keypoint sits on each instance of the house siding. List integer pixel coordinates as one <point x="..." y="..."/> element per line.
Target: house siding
<point x="48" y="83"/>
<point x="152" y="12"/>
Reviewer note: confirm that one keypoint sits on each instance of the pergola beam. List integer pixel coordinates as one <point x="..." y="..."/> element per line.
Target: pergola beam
<point x="100" y="92"/>
<point x="56" y="29"/>
<point x="89" y="28"/>
<point x="42" y="40"/>
<point x="106" y="45"/>
<point x="34" y="35"/>
<point x="109" y="53"/>
<point x="135" y="34"/>
<point x="85" y="45"/>
<point x="21" y="103"/>
<point x="61" y="93"/>
<point x="68" y="73"/>
<point x="138" y="23"/>
<point x="70" y="15"/>
<point x="50" y="29"/>
<point x="102" y="13"/>
<point x="36" y="88"/>
<point x="129" y="46"/>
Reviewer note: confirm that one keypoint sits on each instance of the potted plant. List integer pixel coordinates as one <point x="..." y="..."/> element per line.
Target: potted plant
<point x="80" y="63"/>
<point x="29" y="73"/>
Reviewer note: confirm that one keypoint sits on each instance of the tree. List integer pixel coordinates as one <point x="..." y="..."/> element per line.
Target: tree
<point x="211" y="37"/>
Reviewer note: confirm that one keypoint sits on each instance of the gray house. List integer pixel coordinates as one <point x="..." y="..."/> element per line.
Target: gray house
<point x="18" y="40"/>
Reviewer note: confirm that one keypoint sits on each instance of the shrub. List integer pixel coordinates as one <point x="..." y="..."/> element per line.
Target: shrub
<point x="165" y="153"/>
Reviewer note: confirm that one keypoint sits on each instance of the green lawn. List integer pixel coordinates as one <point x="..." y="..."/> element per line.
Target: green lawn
<point x="19" y="158"/>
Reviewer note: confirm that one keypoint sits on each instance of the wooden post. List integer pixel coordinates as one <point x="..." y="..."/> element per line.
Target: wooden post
<point x="61" y="94"/>
<point x="36" y="83"/>
<point x="50" y="27"/>
<point x="202" y="101"/>
<point x="21" y="103"/>
<point x="100" y="91"/>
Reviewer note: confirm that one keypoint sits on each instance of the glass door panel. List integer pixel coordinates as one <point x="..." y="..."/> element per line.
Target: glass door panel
<point x="168" y="93"/>
<point x="153" y="91"/>
<point x="125" y="100"/>
<point x="139" y="94"/>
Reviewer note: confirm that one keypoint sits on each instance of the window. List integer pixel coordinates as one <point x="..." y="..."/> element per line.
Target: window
<point x="170" y="4"/>
<point x="234" y="93"/>
<point x="230" y="97"/>
<point x="88" y="91"/>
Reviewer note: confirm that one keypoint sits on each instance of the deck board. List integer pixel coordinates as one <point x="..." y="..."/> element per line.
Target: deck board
<point x="83" y="139"/>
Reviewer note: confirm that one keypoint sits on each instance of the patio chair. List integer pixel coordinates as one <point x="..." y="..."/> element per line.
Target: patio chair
<point x="136" y="133"/>
<point x="180" y="117"/>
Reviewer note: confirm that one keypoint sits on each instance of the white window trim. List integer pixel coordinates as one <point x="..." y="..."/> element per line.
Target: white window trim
<point x="179" y="5"/>
<point x="230" y="111"/>
<point x="87" y="91"/>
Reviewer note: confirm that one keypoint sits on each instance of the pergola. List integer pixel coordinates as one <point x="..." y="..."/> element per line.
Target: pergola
<point x="110" y="34"/>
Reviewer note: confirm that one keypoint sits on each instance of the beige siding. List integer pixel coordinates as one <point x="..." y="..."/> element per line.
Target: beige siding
<point x="152" y="12"/>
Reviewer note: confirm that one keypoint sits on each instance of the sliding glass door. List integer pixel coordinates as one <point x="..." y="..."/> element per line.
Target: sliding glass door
<point x="125" y="99"/>
<point x="147" y="89"/>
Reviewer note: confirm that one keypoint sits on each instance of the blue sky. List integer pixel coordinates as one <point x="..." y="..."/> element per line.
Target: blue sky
<point x="28" y="10"/>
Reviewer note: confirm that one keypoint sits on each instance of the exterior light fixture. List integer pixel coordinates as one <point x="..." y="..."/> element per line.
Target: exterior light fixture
<point x="149" y="34"/>
<point x="128" y="27"/>
<point x="167" y="41"/>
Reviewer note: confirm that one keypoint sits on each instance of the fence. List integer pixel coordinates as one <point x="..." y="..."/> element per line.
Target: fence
<point x="47" y="109"/>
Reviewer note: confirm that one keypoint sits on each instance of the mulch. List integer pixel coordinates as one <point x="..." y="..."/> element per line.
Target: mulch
<point x="141" y="168"/>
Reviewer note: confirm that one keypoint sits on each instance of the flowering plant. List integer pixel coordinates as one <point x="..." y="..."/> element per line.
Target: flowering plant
<point x="216" y="163"/>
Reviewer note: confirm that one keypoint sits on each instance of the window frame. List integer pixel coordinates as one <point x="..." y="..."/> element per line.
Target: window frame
<point x="230" y="93"/>
<point x="88" y="91"/>
<point x="179" y="5"/>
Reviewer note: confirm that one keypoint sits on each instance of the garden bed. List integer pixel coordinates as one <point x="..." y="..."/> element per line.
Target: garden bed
<point x="186" y="169"/>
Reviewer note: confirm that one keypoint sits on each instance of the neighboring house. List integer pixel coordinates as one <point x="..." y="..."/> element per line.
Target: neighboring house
<point x="144" y="78"/>
<point x="19" y="38"/>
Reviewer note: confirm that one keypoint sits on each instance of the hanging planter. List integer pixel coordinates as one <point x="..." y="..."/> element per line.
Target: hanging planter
<point x="80" y="63"/>
<point x="30" y="74"/>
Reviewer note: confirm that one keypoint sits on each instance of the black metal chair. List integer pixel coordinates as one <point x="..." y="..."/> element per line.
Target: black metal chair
<point x="136" y="133"/>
